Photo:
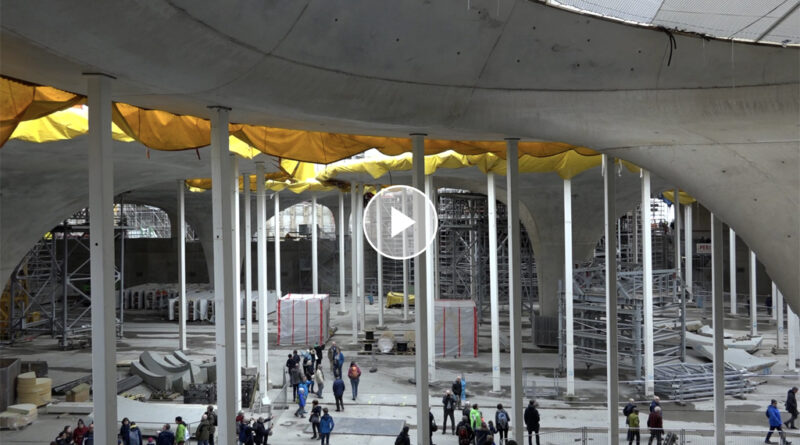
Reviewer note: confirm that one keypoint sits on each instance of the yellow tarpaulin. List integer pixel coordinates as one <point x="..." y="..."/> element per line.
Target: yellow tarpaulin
<point x="683" y="197"/>
<point x="396" y="299"/>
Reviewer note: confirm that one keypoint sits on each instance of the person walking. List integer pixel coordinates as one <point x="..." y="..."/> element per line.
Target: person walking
<point x="531" y="416"/>
<point x="135" y="434"/>
<point x="501" y="421"/>
<point x="456" y="388"/>
<point x="431" y="427"/>
<point x="633" y="426"/>
<point x="165" y="437"/>
<point x="464" y="432"/>
<point x="325" y="427"/>
<point x="338" y="363"/>
<point x="295" y="378"/>
<point x="475" y="418"/>
<point x="314" y="418"/>
<point x="338" y="392"/>
<point x="402" y="438"/>
<point x="319" y="380"/>
<point x="78" y="433"/>
<point x="203" y="432"/>
<point x="775" y="422"/>
<point x="212" y="419"/>
<point x="656" y="402"/>
<point x="449" y="406"/>
<point x="656" y="424"/>
<point x="181" y="431"/>
<point x="463" y="388"/>
<point x="333" y="354"/>
<point x="791" y="408"/>
<point x="467" y="408"/>
<point x="628" y="410"/>
<point x="301" y="402"/>
<point x="354" y="374"/>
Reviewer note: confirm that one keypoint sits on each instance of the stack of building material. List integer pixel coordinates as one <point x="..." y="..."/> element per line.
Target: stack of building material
<point x="79" y="393"/>
<point x="303" y="319"/>
<point x="683" y="381"/>
<point x="18" y="416"/>
<point x="31" y="389"/>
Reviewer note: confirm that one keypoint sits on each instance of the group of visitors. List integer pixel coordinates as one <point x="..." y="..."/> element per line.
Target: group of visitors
<point x="655" y="421"/>
<point x="774" y="416"/>
<point x="81" y="435"/>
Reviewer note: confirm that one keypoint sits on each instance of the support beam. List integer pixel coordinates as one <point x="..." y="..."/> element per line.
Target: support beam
<point x="774" y="301"/>
<point x="420" y="299"/>
<point x="718" y="310"/>
<point x="237" y="279"/>
<point x="362" y="294"/>
<point x="354" y="260"/>
<point x="248" y="274"/>
<point x="276" y="222"/>
<point x="781" y="316"/>
<point x="732" y="268"/>
<point x="181" y="241"/>
<point x="494" y="290"/>
<point x="514" y="286"/>
<point x="261" y="258"/>
<point x="647" y="280"/>
<point x="405" y="287"/>
<point x="689" y="251"/>
<point x="101" y="227"/>
<point x="753" y="299"/>
<point x="568" y="291"/>
<point x="676" y="242"/>
<point x="793" y="324"/>
<point x="226" y="325"/>
<point x="429" y="291"/>
<point x="342" y="280"/>
<point x="612" y="345"/>
<point x="314" y="247"/>
<point x="379" y="259"/>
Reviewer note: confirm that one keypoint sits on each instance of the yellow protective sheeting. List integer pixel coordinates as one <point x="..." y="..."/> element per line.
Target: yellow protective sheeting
<point x="61" y="125"/>
<point x="311" y="185"/>
<point x="22" y="102"/>
<point x="396" y="299"/>
<point x="683" y="197"/>
<point x="161" y="130"/>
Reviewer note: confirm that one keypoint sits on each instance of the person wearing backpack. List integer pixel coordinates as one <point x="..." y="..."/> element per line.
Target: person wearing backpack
<point x="628" y="410"/>
<point x="501" y="421"/>
<point x="354" y="374"/>
<point x="325" y="427"/>
<point x="475" y="418"/>
<point x="402" y="438"/>
<point x="464" y="432"/>
<point x="449" y="405"/>
<point x="531" y="417"/>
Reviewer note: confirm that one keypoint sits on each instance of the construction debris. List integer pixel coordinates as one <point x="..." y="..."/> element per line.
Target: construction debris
<point x="682" y="382"/>
<point x="738" y="358"/>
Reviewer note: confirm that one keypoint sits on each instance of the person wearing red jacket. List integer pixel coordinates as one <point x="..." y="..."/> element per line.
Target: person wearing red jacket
<point x="656" y="424"/>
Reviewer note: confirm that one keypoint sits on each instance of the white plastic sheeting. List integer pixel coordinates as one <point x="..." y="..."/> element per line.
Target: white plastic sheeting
<point x="303" y="319"/>
<point x="456" y="326"/>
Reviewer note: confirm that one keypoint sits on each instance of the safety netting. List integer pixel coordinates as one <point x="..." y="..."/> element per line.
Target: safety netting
<point x="456" y="327"/>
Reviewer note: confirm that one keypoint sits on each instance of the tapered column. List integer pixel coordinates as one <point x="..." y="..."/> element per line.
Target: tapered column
<point x="354" y="194"/>
<point x="568" y="283"/>
<point x="248" y="274"/>
<point x="314" y="247"/>
<point x="514" y="286"/>
<point x="717" y="314"/>
<point x="689" y="251"/>
<point x="647" y="280"/>
<point x="429" y="291"/>
<point x="406" y="264"/>
<point x="342" y="280"/>
<point x="379" y="259"/>
<point x="779" y="311"/>
<point x="793" y="325"/>
<point x="420" y="298"/>
<point x="226" y="299"/>
<point x="676" y="242"/>
<point x="494" y="290"/>
<point x="774" y="301"/>
<point x="362" y="294"/>
<point x="237" y="273"/>
<point x="263" y="302"/>
<point x="732" y="267"/>
<point x="276" y="222"/>
<point x="753" y="300"/>
<point x="101" y="263"/>
<point x="181" y="241"/>
<point x="612" y="345"/>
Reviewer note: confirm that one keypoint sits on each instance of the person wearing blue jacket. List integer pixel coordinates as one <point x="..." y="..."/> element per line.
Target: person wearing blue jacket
<point x="301" y="402"/>
<point x="338" y="392"/>
<point x="775" y="422"/>
<point x="165" y="437"/>
<point x="325" y="427"/>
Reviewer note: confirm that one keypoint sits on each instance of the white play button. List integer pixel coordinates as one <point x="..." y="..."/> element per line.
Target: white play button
<point x="400" y="222"/>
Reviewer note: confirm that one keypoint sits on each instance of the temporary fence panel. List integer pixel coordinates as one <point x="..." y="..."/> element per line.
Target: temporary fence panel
<point x="456" y="326"/>
<point x="303" y="319"/>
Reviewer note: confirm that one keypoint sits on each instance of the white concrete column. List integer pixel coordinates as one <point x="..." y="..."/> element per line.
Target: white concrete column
<point x="781" y="316"/>
<point x="793" y="324"/>
<point x="494" y="290"/>
<point x="354" y="194"/>
<point x="314" y="247"/>
<point x="732" y="267"/>
<point x="676" y="241"/>
<point x="226" y="325"/>
<point x="612" y="345"/>
<point x="568" y="291"/>
<point x="753" y="299"/>
<point x="647" y="281"/>
<point x="261" y="258"/>
<point x="718" y="310"/>
<point x="237" y="278"/>
<point x="514" y="286"/>
<point x="276" y="222"/>
<point x="101" y="263"/>
<point x="774" y="301"/>
<point x="342" y="280"/>
<point x="362" y="294"/>
<point x="406" y="265"/>
<point x="688" y="249"/>
<point x="248" y="274"/>
<point x="379" y="259"/>
<point x="181" y="241"/>
<point x="429" y="291"/>
<point x="420" y="299"/>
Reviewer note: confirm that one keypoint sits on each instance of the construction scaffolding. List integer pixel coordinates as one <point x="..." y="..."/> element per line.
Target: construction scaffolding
<point x="589" y="318"/>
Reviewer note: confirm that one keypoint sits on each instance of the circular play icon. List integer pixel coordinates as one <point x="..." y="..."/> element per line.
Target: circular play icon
<point x="400" y="222"/>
